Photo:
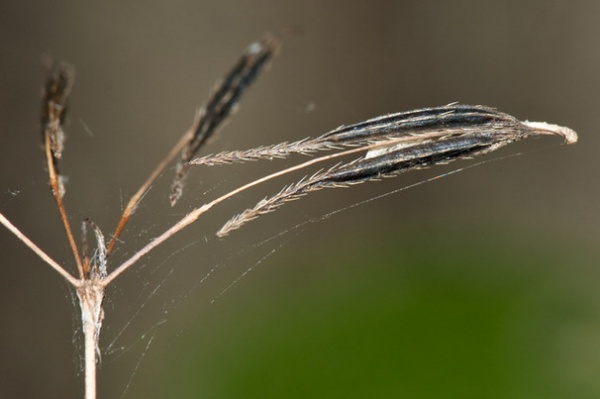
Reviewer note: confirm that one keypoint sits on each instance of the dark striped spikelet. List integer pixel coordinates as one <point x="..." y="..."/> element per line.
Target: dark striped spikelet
<point x="389" y="145"/>
<point x="223" y="102"/>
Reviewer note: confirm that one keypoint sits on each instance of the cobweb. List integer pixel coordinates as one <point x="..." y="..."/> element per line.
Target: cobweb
<point x="188" y="275"/>
<point x="149" y="305"/>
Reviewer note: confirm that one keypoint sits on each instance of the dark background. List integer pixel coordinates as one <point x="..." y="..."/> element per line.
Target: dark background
<point x="481" y="284"/>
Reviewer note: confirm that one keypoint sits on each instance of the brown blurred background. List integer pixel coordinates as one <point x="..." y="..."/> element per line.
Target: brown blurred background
<point x="481" y="284"/>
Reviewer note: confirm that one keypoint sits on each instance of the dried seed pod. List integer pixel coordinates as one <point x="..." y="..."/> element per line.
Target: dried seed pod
<point x="401" y="142"/>
<point x="223" y="102"/>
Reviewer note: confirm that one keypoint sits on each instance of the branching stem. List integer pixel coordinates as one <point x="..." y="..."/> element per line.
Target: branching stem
<point x="389" y="144"/>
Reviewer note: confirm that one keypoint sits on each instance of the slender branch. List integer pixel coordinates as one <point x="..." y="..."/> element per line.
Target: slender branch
<point x="186" y="221"/>
<point x="56" y="192"/>
<point x="39" y="252"/>
<point x="134" y="201"/>
<point x="54" y="107"/>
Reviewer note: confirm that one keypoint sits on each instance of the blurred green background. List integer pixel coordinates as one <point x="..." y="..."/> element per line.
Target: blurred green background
<point x="482" y="284"/>
<point x="442" y="318"/>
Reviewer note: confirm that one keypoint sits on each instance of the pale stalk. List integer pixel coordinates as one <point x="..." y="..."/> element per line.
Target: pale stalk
<point x="91" y="294"/>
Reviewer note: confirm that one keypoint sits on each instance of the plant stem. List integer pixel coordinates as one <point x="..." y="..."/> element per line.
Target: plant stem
<point x="91" y="294"/>
<point x="90" y="361"/>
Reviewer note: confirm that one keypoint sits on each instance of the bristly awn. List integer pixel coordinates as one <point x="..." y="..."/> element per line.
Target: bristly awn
<point x="380" y="147"/>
